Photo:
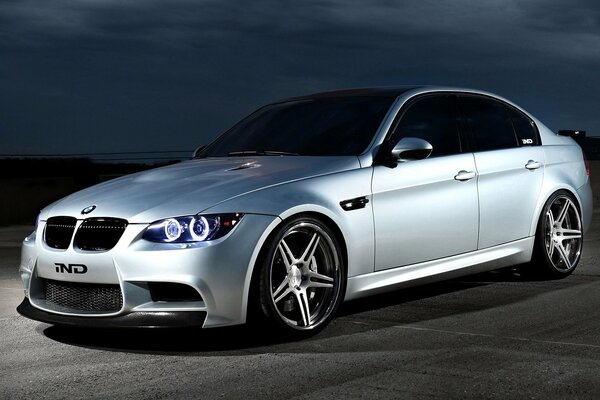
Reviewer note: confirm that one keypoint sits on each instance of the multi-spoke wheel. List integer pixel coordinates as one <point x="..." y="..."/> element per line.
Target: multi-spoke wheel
<point x="560" y="236"/>
<point x="302" y="278"/>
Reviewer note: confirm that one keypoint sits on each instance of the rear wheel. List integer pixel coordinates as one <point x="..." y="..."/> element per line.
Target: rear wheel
<point x="559" y="236"/>
<point x="302" y="277"/>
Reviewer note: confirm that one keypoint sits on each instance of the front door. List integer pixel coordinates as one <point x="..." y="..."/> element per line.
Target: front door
<point x="426" y="209"/>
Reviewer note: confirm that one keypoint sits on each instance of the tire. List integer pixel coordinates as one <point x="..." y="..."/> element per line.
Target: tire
<point x="559" y="237"/>
<point x="302" y="277"/>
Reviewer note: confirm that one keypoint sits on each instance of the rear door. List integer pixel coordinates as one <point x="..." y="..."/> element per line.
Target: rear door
<point x="426" y="209"/>
<point x="510" y="169"/>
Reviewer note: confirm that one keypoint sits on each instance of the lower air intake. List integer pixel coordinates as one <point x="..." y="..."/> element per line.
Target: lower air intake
<point x="83" y="297"/>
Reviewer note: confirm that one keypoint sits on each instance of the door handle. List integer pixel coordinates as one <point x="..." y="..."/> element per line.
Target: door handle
<point x="464" y="175"/>
<point x="531" y="165"/>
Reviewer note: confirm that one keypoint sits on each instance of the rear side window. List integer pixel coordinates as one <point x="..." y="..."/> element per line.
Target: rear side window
<point x="432" y="118"/>
<point x="524" y="128"/>
<point x="488" y="123"/>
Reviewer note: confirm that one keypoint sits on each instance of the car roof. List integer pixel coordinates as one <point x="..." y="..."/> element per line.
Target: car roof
<point x="384" y="91"/>
<point x="390" y="91"/>
<point x="396" y="91"/>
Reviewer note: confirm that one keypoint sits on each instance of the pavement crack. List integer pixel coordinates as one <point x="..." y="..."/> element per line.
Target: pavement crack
<point x="522" y="339"/>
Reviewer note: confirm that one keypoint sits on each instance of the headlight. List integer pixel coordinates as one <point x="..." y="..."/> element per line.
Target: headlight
<point x="193" y="228"/>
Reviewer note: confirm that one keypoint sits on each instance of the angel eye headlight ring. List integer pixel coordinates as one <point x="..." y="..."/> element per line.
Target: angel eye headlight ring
<point x="199" y="229"/>
<point x="172" y="230"/>
<point x="191" y="228"/>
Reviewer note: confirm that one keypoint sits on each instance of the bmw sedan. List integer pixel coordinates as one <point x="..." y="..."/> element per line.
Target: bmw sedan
<point x="309" y="202"/>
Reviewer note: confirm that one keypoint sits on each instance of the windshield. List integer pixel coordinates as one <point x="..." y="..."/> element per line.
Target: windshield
<point x="339" y="126"/>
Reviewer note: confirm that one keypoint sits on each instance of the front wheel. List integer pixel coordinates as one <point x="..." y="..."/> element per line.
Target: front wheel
<point x="302" y="276"/>
<point x="559" y="236"/>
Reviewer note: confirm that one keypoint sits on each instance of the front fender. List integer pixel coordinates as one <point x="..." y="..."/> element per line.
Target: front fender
<point x="319" y="195"/>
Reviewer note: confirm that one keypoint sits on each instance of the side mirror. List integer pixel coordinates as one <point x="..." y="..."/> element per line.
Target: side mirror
<point x="198" y="151"/>
<point x="411" y="149"/>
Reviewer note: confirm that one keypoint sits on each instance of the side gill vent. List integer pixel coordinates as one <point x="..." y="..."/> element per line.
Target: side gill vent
<point x="354" y="204"/>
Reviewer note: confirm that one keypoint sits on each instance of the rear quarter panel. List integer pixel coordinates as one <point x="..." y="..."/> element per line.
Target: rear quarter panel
<point x="564" y="169"/>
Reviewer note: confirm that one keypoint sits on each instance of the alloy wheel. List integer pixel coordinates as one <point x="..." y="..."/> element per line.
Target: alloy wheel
<point x="305" y="275"/>
<point x="563" y="234"/>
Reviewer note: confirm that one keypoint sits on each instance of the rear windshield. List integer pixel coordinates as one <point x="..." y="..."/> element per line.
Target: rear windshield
<point x="315" y="127"/>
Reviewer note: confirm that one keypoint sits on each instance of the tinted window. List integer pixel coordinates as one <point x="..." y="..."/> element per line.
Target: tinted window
<point x="488" y="123"/>
<point x="433" y="119"/>
<point x="314" y="127"/>
<point x="524" y="128"/>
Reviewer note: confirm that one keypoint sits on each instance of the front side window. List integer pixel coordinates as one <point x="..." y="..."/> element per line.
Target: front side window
<point x="488" y="123"/>
<point x="336" y="126"/>
<point x="431" y="118"/>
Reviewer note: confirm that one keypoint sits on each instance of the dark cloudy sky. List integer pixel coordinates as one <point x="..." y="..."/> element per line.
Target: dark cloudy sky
<point x="127" y="75"/>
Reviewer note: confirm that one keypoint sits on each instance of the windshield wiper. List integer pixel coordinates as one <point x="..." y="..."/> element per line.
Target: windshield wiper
<point x="260" y="153"/>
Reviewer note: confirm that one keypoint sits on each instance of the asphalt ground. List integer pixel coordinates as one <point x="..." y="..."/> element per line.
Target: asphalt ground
<point x="493" y="335"/>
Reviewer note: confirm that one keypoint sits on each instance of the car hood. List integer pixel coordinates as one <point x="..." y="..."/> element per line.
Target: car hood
<point x="191" y="186"/>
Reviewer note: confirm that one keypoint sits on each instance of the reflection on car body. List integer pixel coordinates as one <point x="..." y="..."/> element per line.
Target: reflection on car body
<point x="311" y="201"/>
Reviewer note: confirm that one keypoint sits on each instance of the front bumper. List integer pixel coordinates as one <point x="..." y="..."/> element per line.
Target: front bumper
<point x="220" y="271"/>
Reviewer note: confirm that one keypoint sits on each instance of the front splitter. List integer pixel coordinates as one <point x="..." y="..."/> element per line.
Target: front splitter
<point x="146" y="319"/>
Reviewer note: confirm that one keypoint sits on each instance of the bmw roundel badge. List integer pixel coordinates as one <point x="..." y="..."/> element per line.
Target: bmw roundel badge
<point x="88" y="209"/>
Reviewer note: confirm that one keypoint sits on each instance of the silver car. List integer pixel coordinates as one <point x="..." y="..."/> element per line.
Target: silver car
<point x="309" y="202"/>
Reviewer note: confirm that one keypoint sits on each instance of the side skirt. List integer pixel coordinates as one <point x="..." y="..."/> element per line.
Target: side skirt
<point x="489" y="259"/>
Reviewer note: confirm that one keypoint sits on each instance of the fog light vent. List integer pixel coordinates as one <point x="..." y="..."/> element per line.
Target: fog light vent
<point x="168" y="291"/>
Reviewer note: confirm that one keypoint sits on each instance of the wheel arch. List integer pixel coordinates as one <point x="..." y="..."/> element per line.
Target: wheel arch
<point x="543" y="262"/>
<point x="548" y="193"/>
<point x="331" y="224"/>
<point x="253" y="275"/>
